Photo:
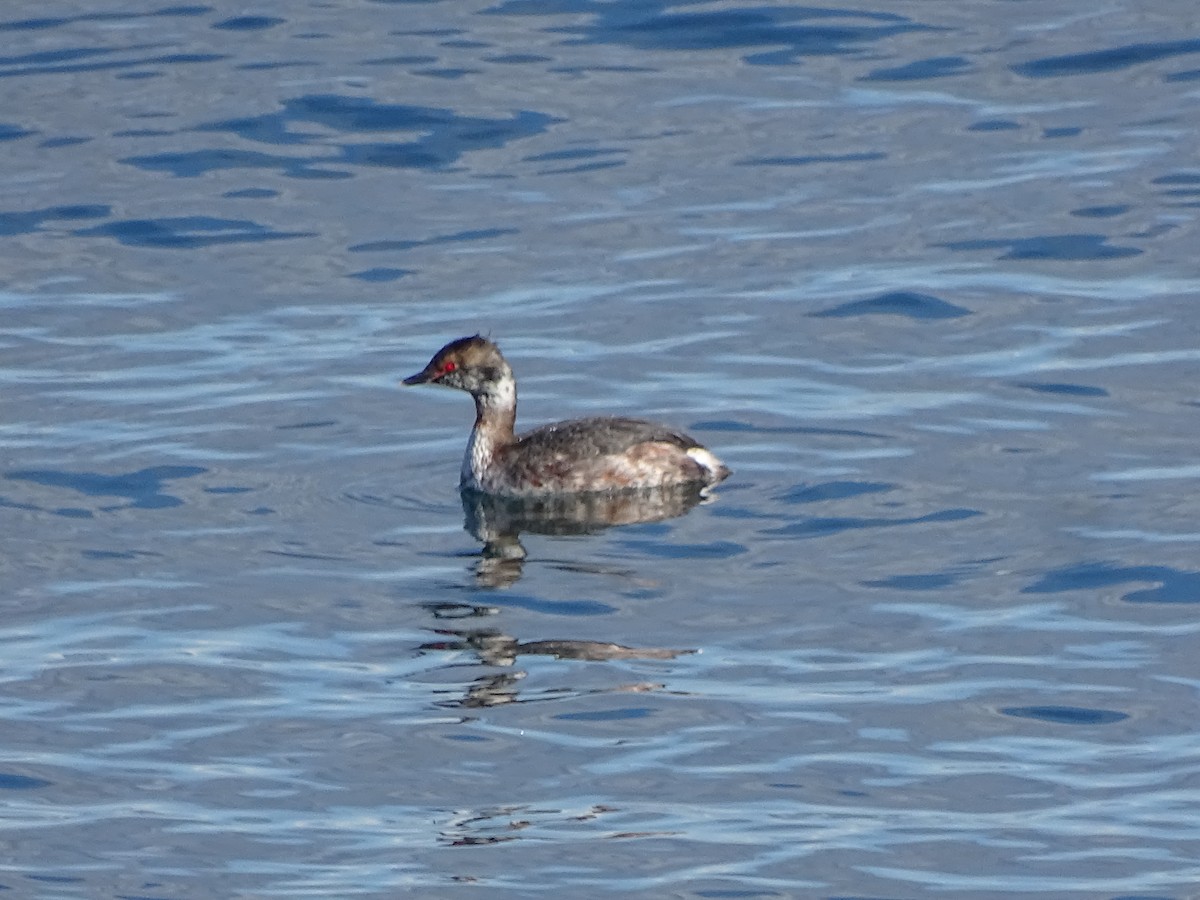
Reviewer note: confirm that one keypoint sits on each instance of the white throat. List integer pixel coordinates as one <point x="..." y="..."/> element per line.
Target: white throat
<point x="495" y="412"/>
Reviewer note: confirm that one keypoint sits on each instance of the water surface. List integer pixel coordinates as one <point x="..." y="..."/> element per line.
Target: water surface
<point x="923" y="275"/>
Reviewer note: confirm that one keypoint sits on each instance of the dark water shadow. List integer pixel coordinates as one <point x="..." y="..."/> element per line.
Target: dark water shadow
<point x="812" y="159"/>
<point x="187" y="232"/>
<point x="45" y="22"/>
<point x="443" y="136"/>
<point x="896" y="303"/>
<point x="1066" y="715"/>
<point x="780" y="34"/>
<point x="1059" y="247"/>
<point x="1068" y="389"/>
<point x="922" y="69"/>
<point x="1111" y="59"/>
<point x="1172" y="585"/>
<point x="821" y="526"/>
<point x="15" y="222"/>
<point x="143" y="488"/>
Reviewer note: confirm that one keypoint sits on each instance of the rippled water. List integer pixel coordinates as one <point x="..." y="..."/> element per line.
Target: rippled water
<point x="924" y="275"/>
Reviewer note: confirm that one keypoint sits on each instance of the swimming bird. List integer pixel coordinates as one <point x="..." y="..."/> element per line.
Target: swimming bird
<point x="597" y="454"/>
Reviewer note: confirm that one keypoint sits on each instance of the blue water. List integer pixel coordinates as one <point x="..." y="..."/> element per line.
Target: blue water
<point x="924" y="275"/>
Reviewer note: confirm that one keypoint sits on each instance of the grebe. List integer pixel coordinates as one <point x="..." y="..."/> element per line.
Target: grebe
<point x="579" y="456"/>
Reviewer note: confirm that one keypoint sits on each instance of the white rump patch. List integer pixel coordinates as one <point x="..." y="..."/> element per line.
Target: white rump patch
<point x="705" y="459"/>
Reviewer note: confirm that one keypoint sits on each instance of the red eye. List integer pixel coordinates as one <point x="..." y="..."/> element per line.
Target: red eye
<point x="449" y="367"/>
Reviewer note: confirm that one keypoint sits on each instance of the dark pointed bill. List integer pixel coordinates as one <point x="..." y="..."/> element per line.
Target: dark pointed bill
<point x="422" y="377"/>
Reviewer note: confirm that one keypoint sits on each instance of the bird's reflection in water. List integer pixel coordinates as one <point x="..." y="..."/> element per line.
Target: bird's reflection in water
<point x="494" y="648"/>
<point x="498" y="521"/>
